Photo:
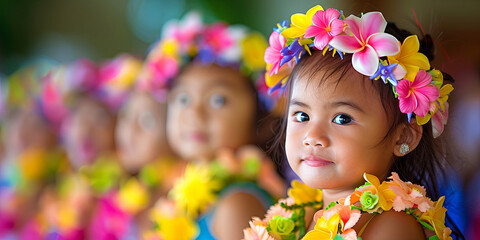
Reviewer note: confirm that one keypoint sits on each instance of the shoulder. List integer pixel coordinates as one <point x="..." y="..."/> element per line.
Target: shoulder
<point x="393" y="225"/>
<point x="233" y="212"/>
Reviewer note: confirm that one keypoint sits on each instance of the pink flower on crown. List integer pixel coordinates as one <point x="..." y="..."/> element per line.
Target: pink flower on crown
<point x="418" y="96"/>
<point x="162" y="69"/>
<point x="185" y="30"/>
<point x="217" y="37"/>
<point x="325" y="26"/>
<point x="367" y="41"/>
<point x="272" y="54"/>
<point x="439" y="120"/>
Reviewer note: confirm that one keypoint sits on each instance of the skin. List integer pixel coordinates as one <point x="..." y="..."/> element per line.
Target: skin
<point x="140" y="133"/>
<point x="89" y="132"/>
<point x="26" y="130"/>
<point x="334" y="134"/>
<point x="211" y="108"/>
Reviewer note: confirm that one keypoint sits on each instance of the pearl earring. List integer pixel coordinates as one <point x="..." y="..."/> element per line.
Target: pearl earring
<point x="404" y="148"/>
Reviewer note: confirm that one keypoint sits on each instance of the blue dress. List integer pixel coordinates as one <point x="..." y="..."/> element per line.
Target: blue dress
<point x="205" y="221"/>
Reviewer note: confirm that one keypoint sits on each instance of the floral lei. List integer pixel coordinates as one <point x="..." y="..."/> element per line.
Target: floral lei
<point x="197" y="191"/>
<point x="376" y="54"/>
<point x="285" y="220"/>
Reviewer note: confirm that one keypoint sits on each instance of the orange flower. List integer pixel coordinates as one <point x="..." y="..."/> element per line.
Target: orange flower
<point x="385" y="194"/>
<point x="257" y="231"/>
<point x="409" y="195"/>
<point x="277" y="210"/>
<point x="348" y="216"/>
<point x="436" y="217"/>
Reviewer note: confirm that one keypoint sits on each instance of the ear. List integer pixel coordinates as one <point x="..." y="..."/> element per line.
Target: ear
<point x="409" y="134"/>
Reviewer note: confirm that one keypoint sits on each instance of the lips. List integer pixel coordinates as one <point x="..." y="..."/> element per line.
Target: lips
<point x="197" y="136"/>
<point x="314" y="161"/>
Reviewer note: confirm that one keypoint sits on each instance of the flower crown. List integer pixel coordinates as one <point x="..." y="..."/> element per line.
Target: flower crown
<point x="419" y="89"/>
<point x="190" y="40"/>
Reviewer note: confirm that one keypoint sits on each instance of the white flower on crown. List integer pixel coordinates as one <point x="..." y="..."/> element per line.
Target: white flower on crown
<point x="234" y="52"/>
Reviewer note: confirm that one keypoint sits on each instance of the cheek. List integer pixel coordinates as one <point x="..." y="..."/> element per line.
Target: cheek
<point x="173" y="125"/>
<point x="293" y="141"/>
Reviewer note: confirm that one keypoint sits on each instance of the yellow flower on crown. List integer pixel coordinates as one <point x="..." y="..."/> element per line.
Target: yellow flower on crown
<point x="253" y="49"/>
<point x="409" y="58"/>
<point x="303" y="193"/>
<point x="300" y="23"/>
<point x="195" y="191"/>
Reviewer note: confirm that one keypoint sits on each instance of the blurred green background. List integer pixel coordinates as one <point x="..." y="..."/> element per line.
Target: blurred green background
<point x="64" y="30"/>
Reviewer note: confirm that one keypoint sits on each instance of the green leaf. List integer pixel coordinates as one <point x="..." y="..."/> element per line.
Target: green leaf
<point x="425" y="224"/>
<point x="338" y="237"/>
<point x="355" y="207"/>
<point x="330" y="205"/>
<point x="434" y="238"/>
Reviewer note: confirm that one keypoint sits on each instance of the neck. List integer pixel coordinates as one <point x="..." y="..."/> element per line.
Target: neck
<point x="333" y="195"/>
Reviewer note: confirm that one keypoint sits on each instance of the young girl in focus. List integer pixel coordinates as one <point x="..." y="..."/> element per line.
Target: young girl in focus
<point x="213" y="110"/>
<point x="361" y="125"/>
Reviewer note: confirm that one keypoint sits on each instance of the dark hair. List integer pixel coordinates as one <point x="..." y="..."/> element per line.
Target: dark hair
<point x="425" y="165"/>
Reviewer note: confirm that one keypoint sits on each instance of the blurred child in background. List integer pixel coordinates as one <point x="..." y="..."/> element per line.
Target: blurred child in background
<point x="213" y="113"/>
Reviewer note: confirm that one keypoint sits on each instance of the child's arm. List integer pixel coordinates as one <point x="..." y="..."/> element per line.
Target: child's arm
<point x="233" y="213"/>
<point x="393" y="225"/>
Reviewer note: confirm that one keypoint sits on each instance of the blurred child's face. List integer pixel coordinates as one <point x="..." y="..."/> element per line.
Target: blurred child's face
<point x="26" y="130"/>
<point x="140" y="132"/>
<point x="335" y="132"/>
<point x="89" y="131"/>
<point x="209" y="108"/>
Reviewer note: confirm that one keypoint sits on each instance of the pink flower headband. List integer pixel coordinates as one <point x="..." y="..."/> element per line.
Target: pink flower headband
<point x="420" y="91"/>
<point x="190" y="39"/>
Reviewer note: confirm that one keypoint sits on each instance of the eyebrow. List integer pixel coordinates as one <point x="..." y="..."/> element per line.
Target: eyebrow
<point x="348" y="104"/>
<point x="221" y="83"/>
<point x="295" y="102"/>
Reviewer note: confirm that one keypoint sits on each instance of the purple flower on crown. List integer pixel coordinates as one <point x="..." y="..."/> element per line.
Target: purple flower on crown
<point x="386" y="73"/>
<point x="294" y="50"/>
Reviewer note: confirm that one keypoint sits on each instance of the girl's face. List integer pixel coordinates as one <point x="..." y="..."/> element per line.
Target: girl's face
<point x="26" y="130"/>
<point x="89" y="131"/>
<point x="334" y="132"/>
<point x="140" y="131"/>
<point x="209" y="108"/>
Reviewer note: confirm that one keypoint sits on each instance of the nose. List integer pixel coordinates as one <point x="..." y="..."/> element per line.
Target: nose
<point x="316" y="137"/>
<point x="196" y="114"/>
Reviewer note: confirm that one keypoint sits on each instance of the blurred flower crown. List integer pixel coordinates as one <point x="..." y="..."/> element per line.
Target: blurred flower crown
<point x="190" y="40"/>
<point x="109" y="83"/>
<point x="376" y="54"/>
